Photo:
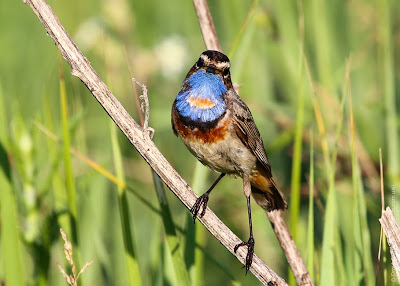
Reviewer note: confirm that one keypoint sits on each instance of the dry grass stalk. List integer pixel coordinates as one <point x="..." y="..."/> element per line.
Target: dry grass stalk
<point x="73" y="278"/>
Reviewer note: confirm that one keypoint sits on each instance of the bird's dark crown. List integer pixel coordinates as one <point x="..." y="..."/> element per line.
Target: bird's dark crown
<point x="214" y="62"/>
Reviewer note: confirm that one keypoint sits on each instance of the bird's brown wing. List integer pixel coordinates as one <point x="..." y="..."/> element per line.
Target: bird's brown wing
<point x="247" y="131"/>
<point x="173" y="116"/>
<point x="264" y="189"/>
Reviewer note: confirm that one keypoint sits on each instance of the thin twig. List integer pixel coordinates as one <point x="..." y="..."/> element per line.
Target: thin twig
<point x="82" y="69"/>
<point x="137" y="100"/>
<point x="145" y="107"/>
<point x="278" y="223"/>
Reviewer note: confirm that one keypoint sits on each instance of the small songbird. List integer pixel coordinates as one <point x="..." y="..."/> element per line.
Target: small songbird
<point x="217" y="127"/>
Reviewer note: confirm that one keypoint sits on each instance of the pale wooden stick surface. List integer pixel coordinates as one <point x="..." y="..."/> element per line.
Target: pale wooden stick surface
<point x="141" y="140"/>
<point x="392" y="232"/>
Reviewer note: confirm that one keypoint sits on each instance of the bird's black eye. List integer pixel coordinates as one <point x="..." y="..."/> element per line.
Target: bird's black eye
<point x="200" y="63"/>
<point x="210" y="70"/>
<point x="225" y="72"/>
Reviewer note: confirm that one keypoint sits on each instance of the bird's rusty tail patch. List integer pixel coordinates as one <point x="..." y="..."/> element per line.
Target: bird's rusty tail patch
<point x="266" y="193"/>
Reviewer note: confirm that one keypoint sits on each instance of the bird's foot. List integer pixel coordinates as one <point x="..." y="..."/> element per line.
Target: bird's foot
<point x="200" y="202"/>
<point x="250" y="251"/>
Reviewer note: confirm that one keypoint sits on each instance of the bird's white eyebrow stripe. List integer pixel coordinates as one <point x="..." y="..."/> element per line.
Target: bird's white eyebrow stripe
<point x="223" y="65"/>
<point x="218" y="65"/>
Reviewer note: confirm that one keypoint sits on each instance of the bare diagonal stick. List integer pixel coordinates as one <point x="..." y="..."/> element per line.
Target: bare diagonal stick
<point x="278" y="223"/>
<point x="141" y="140"/>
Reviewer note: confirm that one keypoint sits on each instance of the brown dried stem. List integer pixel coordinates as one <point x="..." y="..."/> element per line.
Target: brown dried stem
<point x="278" y="223"/>
<point x="141" y="140"/>
<point x="206" y="25"/>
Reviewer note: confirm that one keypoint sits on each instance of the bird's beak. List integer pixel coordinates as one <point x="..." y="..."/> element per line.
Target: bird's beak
<point x="211" y="69"/>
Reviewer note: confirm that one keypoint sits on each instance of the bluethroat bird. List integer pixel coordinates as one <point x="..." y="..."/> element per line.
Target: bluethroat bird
<point x="217" y="127"/>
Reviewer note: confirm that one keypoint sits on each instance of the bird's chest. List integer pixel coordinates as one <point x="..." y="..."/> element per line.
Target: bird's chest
<point x="218" y="147"/>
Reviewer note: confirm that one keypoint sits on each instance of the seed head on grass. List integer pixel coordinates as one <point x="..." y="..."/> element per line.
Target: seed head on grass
<point x="73" y="278"/>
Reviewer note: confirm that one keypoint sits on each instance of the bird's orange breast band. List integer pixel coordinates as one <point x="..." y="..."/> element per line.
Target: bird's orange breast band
<point x="206" y="136"/>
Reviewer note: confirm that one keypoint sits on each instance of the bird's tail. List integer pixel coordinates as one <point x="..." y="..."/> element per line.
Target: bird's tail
<point x="267" y="195"/>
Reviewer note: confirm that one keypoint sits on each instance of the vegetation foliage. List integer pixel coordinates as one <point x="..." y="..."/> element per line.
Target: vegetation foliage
<point x="322" y="81"/>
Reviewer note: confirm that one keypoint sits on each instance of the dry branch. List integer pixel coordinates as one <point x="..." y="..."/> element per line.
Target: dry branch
<point x="289" y="247"/>
<point x="278" y="223"/>
<point x="392" y="232"/>
<point x="141" y="140"/>
<point x="206" y="25"/>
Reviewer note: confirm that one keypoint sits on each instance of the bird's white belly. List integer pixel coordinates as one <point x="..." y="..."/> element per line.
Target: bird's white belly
<point x="229" y="155"/>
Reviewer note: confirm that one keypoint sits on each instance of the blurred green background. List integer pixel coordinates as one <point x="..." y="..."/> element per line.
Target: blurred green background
<point x="306" y="70"/>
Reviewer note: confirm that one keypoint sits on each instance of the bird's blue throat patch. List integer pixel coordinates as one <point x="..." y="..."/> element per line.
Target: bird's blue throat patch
<point x="203" y="100"/>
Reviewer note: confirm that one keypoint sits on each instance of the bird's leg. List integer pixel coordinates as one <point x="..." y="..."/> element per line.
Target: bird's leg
<point x="202" y="200"/>
<point x="250" y="242"/>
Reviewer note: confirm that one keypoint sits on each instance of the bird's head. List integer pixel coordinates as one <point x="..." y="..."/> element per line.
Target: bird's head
<point x="214" y="62"/>
<point x="202" y="95"/>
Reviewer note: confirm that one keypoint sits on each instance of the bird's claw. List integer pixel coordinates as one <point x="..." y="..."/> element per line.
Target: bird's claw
<point x="250" y="252"/>
<point x="200" y="202"/>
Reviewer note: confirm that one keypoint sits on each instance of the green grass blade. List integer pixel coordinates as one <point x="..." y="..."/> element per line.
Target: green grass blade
<point x="368" y="265"/>
<point x="11" y="254"/>
<point x="69" y="175"/>
<point x="382" y="275"/>
<point x="57" y="181"/>
<point x="387" y="72"/>
<point x="387" y="66"/>
<point x="10" y="238"/>
<point x="3" y="122"/>
<point x="310" y="230"/>
<point x="130" y="256"/>
<point x="196" y="270"/>
<point x="319" y="120"/>
<point x="328" y="244"/>
<point x="332" y="269"/>
<point x="355" y="249"/>
<point x="362" y="234"/>
<point x="243" y="28"/>
<point x="357" y="245"/>
<point x="298" y="144"/>
<point x="175" y="247"/>
<point x="322" y="41"/>
<point x="296" y="164"/>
